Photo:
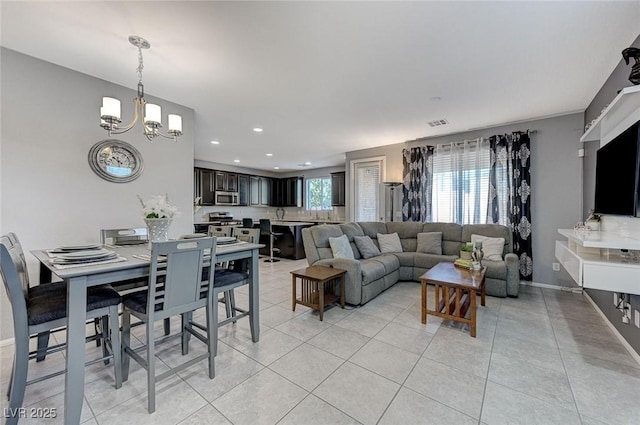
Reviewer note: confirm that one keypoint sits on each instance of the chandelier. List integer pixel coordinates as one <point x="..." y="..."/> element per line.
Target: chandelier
<point x="150" y="114"/>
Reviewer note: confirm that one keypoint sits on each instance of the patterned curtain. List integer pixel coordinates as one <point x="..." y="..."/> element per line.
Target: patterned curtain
<point x="510" y="193"/>
<point x="417" y="181"/>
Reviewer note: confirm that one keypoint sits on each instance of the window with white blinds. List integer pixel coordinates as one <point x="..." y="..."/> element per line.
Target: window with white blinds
<point x="461" y="182"/>
<point x="367" y="190"/>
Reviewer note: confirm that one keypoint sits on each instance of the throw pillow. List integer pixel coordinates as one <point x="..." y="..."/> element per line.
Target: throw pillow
<point x="430" y="243"/>
<point x="366" y="246"/>
<point x="389" y="242"/>
<point x="492" y="247"/>
<point x="341" y="248"/>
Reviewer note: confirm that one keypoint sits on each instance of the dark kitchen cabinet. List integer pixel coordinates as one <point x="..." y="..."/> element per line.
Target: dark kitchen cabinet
<point x="287" y="192"/>
<point x="203" y="184"/>
<point x="243" y="190"/>
<point x="260" y="191"/>
<point x="338" y="189"/>
<point x="226" y="182"/>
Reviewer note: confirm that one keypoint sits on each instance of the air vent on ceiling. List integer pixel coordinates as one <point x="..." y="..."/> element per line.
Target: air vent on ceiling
<point x="438" y="123"/>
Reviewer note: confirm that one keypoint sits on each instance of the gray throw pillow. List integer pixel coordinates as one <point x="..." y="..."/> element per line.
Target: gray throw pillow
<point x="366" y="246"/>
<point x="430" y="243"/>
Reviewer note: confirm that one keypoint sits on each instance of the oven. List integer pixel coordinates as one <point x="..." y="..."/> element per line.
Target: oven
<point x="227" y="198"/>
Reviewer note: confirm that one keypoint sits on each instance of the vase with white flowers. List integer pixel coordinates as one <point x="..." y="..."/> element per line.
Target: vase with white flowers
<point x="158" y="214"/>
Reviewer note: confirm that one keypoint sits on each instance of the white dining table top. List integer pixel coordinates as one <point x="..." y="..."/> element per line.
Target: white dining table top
<point x="134" y="255"/>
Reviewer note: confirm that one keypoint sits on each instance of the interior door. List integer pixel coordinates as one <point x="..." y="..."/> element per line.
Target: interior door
<point x="367" y="199"/>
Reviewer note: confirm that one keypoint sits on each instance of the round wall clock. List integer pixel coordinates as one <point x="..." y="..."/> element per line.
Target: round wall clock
<point x="115" y="161"/>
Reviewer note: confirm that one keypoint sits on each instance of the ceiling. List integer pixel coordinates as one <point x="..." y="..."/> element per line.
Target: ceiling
<point x="325" y="78"/>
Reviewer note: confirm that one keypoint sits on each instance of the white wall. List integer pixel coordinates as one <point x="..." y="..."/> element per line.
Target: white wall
<point x="48" y="193"/>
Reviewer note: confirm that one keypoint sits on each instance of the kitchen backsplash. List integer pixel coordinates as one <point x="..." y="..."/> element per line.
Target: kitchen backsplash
<point x="337" y="213"/>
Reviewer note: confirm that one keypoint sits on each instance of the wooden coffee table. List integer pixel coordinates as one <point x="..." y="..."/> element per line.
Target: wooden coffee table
<point x="318" y="287"/>
<point x="456" y="290"/>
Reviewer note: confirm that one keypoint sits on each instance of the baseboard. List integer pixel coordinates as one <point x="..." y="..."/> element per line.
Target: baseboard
<point x="615" y="331"/>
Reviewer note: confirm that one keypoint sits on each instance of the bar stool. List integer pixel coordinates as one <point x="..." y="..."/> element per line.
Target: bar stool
<point x="266" y="230"/>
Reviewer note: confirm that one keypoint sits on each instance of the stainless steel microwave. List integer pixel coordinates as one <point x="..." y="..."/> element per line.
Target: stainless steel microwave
<point x="227" y="198"/>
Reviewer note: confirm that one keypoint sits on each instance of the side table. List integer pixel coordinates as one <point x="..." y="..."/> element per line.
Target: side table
<point x="455" y="293"/>
<point x="318" y="287"/>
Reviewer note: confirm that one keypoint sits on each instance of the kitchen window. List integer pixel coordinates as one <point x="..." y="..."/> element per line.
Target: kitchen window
<point x="318" y="194"/>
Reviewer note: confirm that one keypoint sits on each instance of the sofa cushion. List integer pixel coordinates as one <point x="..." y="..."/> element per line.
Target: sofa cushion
<point x="426" y="261"/>
<point x="366" y="247"/>
<point x="495" y="269"/>
<point x="407" y="232"/>
<point x="352" y="230"/>
<point x="389" y="261"/>
<point x="492" y="247"/>
<point x="341" y="247"/>
<point x="372" y="228"/>
<point x="430" y="243"/>
<point x="372" y="270"/>
<point x="491" y="230"/>
<point x="406" y="258"/>
<point x="389" y="243"/>
<point x="321" y="235"/>
<point x="451" y="233"/>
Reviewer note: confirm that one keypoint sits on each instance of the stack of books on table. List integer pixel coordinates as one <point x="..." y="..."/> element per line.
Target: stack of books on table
<point x="465" y="264"/>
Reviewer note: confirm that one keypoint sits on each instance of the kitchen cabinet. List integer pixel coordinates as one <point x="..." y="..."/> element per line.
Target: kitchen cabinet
<point x="226" y="182"/>
<point x="338" y="189"/>
<point x="243" y="190"/>
<point x="259" y="191"/>
<point x="203" y="184"/>
<point x="287" y="192"/>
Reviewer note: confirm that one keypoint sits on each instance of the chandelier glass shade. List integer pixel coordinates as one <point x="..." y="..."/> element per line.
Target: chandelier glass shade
<point x="149" y="113"/>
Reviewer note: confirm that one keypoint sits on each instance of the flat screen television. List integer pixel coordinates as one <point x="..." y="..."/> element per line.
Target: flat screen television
<point x="617" y="172"/>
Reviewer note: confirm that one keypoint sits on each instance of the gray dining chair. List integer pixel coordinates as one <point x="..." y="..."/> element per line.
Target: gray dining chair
<point x="220" y="231"/>
<point x="175" y="287"/>
<point x="129" y="236"/>
<point x="124" y="236"/>
<point x="43" y="308"/>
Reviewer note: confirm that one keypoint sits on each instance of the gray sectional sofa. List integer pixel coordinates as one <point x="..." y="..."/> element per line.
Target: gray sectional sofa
<point x="366" y="278"/>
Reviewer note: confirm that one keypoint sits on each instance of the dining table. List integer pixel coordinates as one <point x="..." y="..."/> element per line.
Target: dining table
<point x="133" y="262"/>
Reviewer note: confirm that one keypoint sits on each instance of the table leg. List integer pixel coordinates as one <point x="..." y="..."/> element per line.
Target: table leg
<point x="74" y="378"/>
<point x="254" y="295"/>
<point x="342" y="283"/>
<point x="423" y="303"/>
<point x="321" y="297"/>
<point x="472" y="295"/>
<point x="293" y="293"/>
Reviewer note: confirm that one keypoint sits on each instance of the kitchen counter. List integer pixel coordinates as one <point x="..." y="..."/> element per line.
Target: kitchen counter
<point x="310" y="220"/>
<point x="292" y="223"/>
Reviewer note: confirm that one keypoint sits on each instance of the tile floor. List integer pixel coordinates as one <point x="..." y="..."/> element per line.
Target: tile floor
<point x="543" y="358"/>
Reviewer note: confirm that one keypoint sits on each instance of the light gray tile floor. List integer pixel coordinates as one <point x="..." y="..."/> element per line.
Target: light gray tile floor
<point x="544" y="358"/>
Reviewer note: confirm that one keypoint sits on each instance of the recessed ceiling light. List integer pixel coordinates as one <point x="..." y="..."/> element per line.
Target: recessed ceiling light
<point x="215" y="142"/>
<point x="257" y="129"/>
<point x="236" y="160"/>
<point x="276" y="168"/>
<point x="269" y="154"/>
<point x="307" y="163"/>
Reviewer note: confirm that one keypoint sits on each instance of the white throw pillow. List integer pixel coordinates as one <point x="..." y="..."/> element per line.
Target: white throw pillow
<point x="389" y="242"/>
<point x="492" y="247"/>
<point x="341" y="248"/>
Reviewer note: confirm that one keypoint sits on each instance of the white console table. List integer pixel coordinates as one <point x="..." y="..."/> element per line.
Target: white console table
<point x="593" y="260"/>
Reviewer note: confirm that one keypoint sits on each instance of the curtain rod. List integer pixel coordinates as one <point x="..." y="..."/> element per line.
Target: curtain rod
<point x="427" y="138"/>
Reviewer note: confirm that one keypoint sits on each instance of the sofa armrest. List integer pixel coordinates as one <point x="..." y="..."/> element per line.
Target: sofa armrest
<point x="353" y="277"/>
<point x="513" y="274"/>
